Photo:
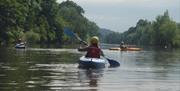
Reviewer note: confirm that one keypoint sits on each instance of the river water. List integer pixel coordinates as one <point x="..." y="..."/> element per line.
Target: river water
<point x="37" y="69"/>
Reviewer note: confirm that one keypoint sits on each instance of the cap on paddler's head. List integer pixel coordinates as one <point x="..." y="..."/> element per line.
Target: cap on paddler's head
<point x="94" y="40"/>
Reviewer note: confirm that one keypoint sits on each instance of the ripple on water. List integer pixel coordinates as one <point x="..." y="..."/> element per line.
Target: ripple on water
<point x="45" y="69"/>
<point x="6" y="67"/>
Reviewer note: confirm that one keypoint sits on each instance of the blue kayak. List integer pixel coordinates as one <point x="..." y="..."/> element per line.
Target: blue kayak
<point x="93" y="63"/>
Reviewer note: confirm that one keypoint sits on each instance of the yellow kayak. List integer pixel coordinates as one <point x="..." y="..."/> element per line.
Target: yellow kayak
<point x="125" y="49"/>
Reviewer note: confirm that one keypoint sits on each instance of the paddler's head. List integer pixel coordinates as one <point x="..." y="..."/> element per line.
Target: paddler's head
<point x="94" y="40"/>
<point x="122" y="42"/>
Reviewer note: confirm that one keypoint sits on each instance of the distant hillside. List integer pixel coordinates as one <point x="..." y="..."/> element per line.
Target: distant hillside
<point x="103" y="33"/>
<point x="163" y="32"/>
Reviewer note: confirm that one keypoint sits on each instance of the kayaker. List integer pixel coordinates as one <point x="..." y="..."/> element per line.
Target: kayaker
<point x="20" y="42"/>
<point x="93" y="50"/>
<point x="122" y="46"/>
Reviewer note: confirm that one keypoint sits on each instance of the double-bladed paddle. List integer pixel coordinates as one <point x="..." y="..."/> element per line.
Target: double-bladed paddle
<point x="113" y="63"/>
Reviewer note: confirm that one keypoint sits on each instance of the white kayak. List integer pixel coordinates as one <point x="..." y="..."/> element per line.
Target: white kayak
<point x="20" y="45"/>
<point x="87" y="63"/>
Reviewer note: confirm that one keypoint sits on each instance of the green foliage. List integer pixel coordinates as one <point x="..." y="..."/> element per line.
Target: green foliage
<point x="32" y="37"/>
<point x="42" y="21"/>
<point x="15" y="35"/>
<point x="73" y="15"/>
<point x="161" y="32"/>
<point x="113" y="38"/>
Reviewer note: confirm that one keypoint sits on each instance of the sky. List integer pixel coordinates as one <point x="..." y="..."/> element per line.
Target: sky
<point x="120" y="15"/>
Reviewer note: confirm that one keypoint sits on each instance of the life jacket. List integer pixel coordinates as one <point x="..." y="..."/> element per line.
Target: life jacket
<point x="93" y="52"/>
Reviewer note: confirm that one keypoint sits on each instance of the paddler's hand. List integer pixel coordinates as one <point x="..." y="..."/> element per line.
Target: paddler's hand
<point x="82" y="49"/>
<point x="84" y="42"/>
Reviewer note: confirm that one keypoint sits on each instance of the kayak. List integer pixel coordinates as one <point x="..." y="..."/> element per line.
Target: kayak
<point x="20" y="46"/>
<point x="94" y="63"/>
<point x="126" y="49"/>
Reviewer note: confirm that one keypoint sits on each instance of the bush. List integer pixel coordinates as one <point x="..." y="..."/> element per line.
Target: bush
<point x="32" y="37"/>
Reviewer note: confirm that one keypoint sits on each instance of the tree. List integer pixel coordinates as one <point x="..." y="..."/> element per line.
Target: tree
<point x="43" y="19"/>
<point x="12" y="16"/>
<point x="72" y="14"/>
<point x="161" y="32"/>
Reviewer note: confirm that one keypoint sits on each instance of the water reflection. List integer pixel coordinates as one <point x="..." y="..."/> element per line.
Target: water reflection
<point x="56" y="69"/>
<point x="91" y="76"/>
<point x="65" y="77"/>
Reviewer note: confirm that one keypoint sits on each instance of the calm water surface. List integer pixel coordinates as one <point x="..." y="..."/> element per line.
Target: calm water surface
<point x="36" y="69"/>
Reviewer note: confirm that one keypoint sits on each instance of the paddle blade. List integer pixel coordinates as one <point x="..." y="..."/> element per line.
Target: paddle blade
<point x="113" y="63"/>
<point x="68" y="32"/>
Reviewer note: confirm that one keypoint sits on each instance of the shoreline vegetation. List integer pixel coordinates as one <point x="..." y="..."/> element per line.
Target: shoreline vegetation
<point x="41" y="22"/>
<point x="163" y="32"/>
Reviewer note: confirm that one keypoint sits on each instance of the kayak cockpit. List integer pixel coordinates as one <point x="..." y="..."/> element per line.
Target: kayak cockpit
<point x="93" y="63"/>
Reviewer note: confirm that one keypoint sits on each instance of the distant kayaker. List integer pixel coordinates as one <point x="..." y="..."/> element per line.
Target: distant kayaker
<point x="20" y="42"/>
<point x="122" y="46"/>
<point x="93" y="50"/>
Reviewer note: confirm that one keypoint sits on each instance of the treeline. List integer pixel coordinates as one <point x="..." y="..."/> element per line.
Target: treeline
<point x="42" y="21"/>
<point x="161" y="32"/>
<point x="103" y="32"/>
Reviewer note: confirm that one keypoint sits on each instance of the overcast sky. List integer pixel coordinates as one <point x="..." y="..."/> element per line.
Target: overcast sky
<point x="119" y="15"/>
